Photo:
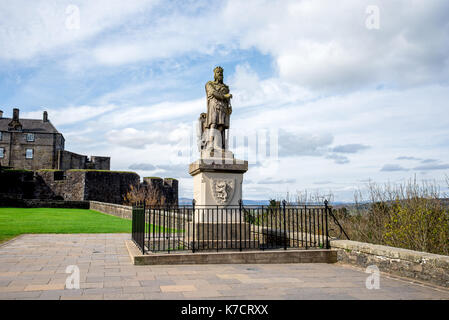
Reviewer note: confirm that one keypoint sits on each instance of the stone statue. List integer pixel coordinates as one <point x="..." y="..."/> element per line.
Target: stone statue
<point x="217" y="174"/>
<point x="218" y="111"/>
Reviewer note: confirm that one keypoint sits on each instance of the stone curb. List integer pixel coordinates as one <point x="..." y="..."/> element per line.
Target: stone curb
<point x="393" y="252"/>
<point x="231" y="257"/>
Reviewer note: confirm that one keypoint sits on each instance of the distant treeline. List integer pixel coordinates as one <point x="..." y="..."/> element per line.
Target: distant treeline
<point x="410" y="215"/>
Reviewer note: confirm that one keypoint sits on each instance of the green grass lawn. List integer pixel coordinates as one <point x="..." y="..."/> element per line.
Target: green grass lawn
<point x="16" y="221"/>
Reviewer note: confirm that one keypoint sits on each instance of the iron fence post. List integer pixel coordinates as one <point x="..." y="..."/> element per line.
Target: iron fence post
<point x="149" y="230"/>
<point x="285" y="229"/>
<point x="305" y="224"/>
<point x="193" y="226"/>
<point x="143" y="229"/>
<point x="326" y="208"/>
<point x="240" y="213"/>
<point x="167" y="213"/>
<point x="258" y="232"/>
<point x="217" y="237"/>
<point x="132" y="222"/>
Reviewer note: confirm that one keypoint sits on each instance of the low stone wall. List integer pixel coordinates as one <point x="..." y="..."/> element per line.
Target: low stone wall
<point x="37" y="203"/>
<point x="422" y="266"/>
<point x="125" y="212"/>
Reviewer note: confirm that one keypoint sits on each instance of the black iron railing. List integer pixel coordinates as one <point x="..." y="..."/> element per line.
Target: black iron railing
<point x="138" y="225"/>
<point x="199" y="228"/>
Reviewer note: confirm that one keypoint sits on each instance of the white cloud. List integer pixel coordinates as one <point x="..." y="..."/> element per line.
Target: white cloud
<point x="28" y="29"/>
<point x="349" y="148"/>
<point x="303" y="144"/>
<point x="249" y="90"/>
<point x="432" y="167"/>
<point x="318" y="45"/>
<point x="160" y="135"/>
<point x="70" y="115"/>
<point x="393" y="167"/>
<point x="326" y="45"/>
<point x="157" y="112"/>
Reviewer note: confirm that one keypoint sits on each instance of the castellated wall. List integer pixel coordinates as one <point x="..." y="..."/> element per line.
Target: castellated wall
<point x="99" y="163"/>
<point x="78" y="185"/>
<point x="69" y="160"/>
<point x="161" y="191"/>
<point x="83" y="185"/>
<point x="109" y="186"/>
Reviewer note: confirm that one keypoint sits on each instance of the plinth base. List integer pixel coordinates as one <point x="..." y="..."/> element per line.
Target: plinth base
<point x="223" y="244"/>
<point x="217" y="182"/>
<point x="218" y="231"/>
<point x="208" y="236"/>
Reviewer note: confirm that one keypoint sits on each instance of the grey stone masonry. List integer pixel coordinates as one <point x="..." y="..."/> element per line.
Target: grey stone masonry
<point x="125" y="212"/>
<point x="422" y="266"/>
<point x="82" y="185"/>
<point x="209" y="165"/>
<point x="161" y="191"/>
<point x="34" y="144"/>
<point x="71" y="185"/>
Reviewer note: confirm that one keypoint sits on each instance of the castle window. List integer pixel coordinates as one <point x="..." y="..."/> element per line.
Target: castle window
<point x="30" y="137"/>
<point x="2" y="152"/>
<point x="29" y="154"/>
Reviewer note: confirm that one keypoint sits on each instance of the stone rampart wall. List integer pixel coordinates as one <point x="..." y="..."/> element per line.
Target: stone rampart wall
<point x="108" y="186"/>
<point x="16" y="184"/>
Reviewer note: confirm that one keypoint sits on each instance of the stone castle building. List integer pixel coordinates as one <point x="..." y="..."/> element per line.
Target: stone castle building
<point x="52" y="173"/>
<point x="35" y="144"/>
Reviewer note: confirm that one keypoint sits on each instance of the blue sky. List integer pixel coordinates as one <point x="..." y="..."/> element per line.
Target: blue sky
<point x="347" y="103"/>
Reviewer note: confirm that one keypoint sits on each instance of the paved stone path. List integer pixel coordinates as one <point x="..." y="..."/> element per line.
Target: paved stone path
<point x="34" y="267"/>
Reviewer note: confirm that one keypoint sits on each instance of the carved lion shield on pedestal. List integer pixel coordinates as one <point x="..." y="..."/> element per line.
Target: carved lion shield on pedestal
<point x="222" y="190"/>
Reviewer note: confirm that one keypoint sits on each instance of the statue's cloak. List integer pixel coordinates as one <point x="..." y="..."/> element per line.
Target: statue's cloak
<point x="218" y="108"/>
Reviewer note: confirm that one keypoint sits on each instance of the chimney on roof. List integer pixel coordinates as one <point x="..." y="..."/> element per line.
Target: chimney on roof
<point x="1" y="114"/>
<point x="15" y="123"/>
<point x="45" y="117"/>
<point x="15" y="114"/>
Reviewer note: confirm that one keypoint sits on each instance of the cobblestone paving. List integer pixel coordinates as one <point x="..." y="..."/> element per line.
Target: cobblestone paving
<point x="34" y="267"/>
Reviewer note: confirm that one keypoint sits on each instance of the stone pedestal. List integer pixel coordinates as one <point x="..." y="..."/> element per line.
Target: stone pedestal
<point x="217" y="189"/>
<point x="217" y="181"/>
<point x="229" y="235"/>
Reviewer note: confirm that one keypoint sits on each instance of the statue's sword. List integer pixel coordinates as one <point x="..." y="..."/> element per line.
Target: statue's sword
<point x="228" y="111"/>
